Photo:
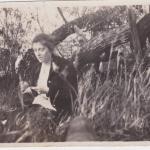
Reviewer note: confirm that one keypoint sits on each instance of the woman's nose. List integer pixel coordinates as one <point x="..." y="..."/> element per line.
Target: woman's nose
<point x="38" y="53"/>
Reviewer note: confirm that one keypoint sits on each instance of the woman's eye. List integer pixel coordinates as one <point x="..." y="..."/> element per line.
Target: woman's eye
<point x="42" y="49"/>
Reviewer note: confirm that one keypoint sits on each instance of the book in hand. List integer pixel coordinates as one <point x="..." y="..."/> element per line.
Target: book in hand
<point x="44" y="101"/>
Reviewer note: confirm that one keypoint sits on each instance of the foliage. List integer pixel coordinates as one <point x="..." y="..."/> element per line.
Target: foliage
<point x="118" y="105"/>
<point x="14" y="27"/>
<point x="117" y="102"/>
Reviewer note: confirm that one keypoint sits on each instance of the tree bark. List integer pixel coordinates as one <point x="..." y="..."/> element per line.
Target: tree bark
<point x="134" y="36"/>
<point x="93" y="49"/>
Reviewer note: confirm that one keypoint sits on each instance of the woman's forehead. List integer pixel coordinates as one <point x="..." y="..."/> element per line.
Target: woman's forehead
<point x="37" y="45"/>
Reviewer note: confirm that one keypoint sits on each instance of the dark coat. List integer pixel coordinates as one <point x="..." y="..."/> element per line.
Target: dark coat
<point x="62" y="84"/>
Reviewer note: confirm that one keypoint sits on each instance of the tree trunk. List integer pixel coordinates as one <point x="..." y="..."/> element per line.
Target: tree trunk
<point x="93" y="49"/>
<point x="134" y="36"/>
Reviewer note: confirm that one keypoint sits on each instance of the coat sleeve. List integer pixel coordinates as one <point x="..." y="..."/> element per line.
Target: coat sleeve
<point x="60" y="92"/>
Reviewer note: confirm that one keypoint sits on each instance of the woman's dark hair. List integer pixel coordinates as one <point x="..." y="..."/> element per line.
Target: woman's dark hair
<point x="45" y="40"/>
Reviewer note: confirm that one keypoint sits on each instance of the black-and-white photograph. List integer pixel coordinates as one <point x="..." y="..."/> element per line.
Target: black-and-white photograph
<point x="74" y="73"/>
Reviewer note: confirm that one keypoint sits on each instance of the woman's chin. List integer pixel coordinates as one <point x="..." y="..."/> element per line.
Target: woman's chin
<point x="41" y="61"/>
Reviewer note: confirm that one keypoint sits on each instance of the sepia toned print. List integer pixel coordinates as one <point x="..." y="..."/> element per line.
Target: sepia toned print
<point x="74" y="73"/>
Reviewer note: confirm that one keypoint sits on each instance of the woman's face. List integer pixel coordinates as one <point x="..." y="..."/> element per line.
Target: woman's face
<point x="41" y="52"/>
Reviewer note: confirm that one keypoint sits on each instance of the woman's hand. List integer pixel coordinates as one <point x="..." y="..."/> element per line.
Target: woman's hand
<point x="39" y="90"/>
<point x="28" y="90"/>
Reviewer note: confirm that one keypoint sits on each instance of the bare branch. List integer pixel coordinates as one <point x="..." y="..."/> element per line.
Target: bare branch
<point x="38" y="21"/>
<point x="62" y="15"/>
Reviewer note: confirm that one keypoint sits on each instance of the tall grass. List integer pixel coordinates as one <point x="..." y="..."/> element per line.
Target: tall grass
<point x="117" y="103"/>
<point x="119" y="107"/>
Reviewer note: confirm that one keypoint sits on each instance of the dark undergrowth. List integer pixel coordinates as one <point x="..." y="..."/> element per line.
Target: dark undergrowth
<point x="116" y="102"/>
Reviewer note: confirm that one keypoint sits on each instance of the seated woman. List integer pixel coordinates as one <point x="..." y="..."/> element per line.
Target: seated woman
<point x="53" y="80"/>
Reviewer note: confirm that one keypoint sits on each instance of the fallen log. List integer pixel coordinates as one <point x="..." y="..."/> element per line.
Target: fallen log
<point x="93" y="49"/>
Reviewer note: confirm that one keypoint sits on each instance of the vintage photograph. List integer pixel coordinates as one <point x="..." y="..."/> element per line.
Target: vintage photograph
<point x="74" y="73"/>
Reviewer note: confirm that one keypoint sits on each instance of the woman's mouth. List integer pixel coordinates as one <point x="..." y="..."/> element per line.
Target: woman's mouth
<point x="40" y="58"/>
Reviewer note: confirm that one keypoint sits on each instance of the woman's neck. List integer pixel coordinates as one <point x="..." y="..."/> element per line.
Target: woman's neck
<point x="48" y="62"/>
